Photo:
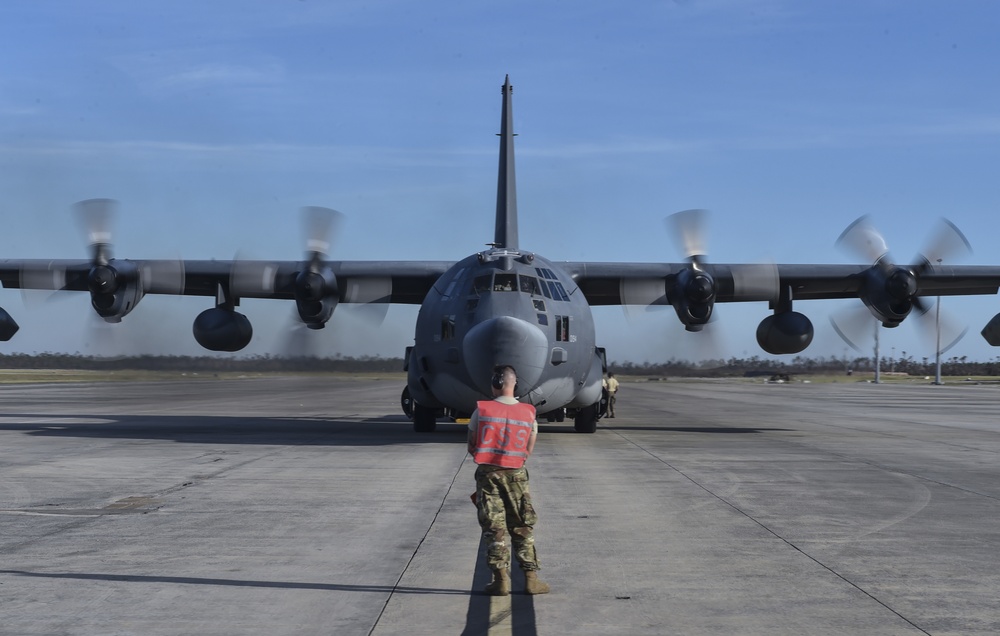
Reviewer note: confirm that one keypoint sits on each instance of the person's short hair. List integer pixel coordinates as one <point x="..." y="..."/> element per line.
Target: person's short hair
<point x="502" y="374"/>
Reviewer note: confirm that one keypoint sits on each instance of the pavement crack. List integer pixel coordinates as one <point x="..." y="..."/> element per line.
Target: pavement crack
<point x="736" y="508"/>
<point x="413" y="555"/>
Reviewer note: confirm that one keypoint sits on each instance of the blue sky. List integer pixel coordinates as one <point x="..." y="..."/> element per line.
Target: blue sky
<point x="214" y="122"/>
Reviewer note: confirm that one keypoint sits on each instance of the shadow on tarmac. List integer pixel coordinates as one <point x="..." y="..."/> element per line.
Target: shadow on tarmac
<point x="480" y="617"/>
<point x="306" y="431"/>
<point x="695" y="429"/>
<point x="190" y="580"/>
<point x="383" y="431"/>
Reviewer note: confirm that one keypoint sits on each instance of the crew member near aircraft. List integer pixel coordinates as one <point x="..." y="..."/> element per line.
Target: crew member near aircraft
<point x="611" y="384"/>
<point x="502" y="436"/>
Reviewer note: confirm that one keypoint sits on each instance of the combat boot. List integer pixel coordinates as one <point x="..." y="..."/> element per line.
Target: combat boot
<point x="532" y="584"/>
<point x="500" y="585"/>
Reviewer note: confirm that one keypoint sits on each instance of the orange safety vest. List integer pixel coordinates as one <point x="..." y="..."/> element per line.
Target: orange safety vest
<point x="503" y="433"/>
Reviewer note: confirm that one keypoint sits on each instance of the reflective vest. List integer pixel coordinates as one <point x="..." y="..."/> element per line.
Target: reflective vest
<point x="503" y="433"/>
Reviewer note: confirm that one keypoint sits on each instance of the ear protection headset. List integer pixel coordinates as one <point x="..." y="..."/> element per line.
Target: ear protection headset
<point x="497" y="381"/>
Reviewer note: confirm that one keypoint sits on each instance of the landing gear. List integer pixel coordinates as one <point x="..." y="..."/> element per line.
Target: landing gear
<point x="586" y="419"/>
<point x="424" y="419"/>
<point x="558" y="415"/>
<point x="407" y="403"/>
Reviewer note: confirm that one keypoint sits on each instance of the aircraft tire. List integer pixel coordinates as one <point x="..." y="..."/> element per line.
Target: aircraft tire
<point x="406" y="402"/>
<point x="423" y="419"/>
<point x="586" y="419"/>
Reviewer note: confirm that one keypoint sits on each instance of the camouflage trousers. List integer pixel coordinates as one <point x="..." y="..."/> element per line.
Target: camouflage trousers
<point x="504" y="506"/>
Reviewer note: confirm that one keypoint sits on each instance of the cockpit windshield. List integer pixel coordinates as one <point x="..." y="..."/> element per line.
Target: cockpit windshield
<point x="510" y="282"/>
<point x="505" y="282"/>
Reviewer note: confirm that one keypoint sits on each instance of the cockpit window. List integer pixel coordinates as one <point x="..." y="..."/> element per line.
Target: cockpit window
<point x="510" y="282"/>
<point x="482" y="283"/>
<point x="545" y="289"/>
<point x="529" y="284"/>
<point x="559" y="292"/>
<point x="457" y="282"/>
<point x="505" y="282"/>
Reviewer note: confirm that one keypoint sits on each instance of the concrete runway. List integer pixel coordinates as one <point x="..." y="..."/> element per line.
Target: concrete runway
<point x="308" y="506"/>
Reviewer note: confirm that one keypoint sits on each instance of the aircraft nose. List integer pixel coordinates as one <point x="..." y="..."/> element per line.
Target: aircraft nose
<point x="505" y="340"/>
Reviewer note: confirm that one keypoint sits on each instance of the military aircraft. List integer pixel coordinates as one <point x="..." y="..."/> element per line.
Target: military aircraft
<point x="505" y="305"/>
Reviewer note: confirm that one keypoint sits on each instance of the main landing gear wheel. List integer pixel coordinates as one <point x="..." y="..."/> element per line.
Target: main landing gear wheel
<point x="406" y="402"/>
<point x="586" y="419"/>
<point x="557" y="415"/>
<point x="424" y="420"/>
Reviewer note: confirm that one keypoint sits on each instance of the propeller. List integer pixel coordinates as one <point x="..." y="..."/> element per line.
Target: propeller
<point x="641" y="295"/>
<point x="297" y="340"/>
<point x="115" y="286"/>
<point x="313" y="283"/>
<point x="863" y="240"/>
<point x="318" y="227"/>
<point x="315" y="287"/>
<point x="695" y="289"/>
<point x="256" y="278"/>
<point x="96" y="217"/>
<point x="856" y="325"/>
<point x="890" y="291"/>
<point x="368" y="297"/>
<point x="688" y="229"/>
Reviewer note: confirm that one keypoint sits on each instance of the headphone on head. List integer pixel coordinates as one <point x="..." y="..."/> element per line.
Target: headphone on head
<point x="497" y="381"/>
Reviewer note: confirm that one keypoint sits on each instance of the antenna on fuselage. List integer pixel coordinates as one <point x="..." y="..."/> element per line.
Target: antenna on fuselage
<point x="506" y="224"/>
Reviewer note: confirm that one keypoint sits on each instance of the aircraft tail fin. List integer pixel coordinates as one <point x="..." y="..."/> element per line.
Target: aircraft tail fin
<point x="506" y="223"/>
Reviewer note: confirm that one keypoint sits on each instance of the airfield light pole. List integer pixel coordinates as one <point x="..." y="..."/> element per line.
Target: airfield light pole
<point x="878" y="362"/>
<point x="937" y="348"/>
<point x="937" y="353"/>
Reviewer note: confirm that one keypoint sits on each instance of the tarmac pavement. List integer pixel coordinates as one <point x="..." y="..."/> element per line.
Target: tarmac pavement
<point x="308" y="506"/>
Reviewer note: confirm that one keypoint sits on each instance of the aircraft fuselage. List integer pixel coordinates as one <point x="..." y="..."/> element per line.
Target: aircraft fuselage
<point x="505" y="307"/>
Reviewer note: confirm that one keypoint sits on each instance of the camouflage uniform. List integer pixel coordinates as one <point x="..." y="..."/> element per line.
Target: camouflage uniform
<point x="504" y="503"/>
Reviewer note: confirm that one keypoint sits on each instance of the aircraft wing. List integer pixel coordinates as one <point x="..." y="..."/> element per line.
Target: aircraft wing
<point x="404" y="282"/>
<point x="890" y="292"/>
<point x="650" y="283"/>
<point x="315" y="285"/>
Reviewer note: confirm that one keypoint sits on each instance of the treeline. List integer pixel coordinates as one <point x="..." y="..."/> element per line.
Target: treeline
<point x="733" y="367"/>
<point x="738" y="367"/>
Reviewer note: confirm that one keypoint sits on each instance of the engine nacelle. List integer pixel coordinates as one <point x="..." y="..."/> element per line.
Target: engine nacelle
<point x="693" y="298"/>
<point x="889" y="293"/>
<point x="8" y="327"/>
<point x="991" y="332"/>
<point x="784" y="333"/>
<point x="316" y="296"/>
<point x="115" y="289"/>
<point x="219" y="329"/>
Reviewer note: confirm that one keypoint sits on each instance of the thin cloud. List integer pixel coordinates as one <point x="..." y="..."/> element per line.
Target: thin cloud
<point x="182" y="70"/>
<point x="218" y="73"/>
<point x="295" y="155"/>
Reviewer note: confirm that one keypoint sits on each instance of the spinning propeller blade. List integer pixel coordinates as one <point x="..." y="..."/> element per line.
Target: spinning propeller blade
<point x="892" y="286"/>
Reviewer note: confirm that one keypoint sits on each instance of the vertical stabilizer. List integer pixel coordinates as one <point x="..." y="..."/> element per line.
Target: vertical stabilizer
<point x="506" y="228"/>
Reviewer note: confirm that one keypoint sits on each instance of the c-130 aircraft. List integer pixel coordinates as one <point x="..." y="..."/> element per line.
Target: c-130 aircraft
<point x="505" y="305"/>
